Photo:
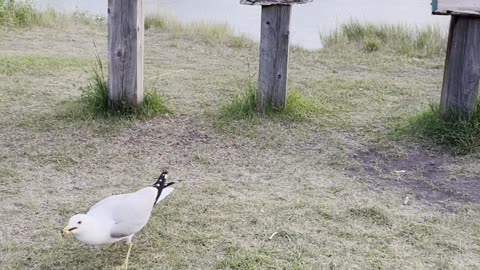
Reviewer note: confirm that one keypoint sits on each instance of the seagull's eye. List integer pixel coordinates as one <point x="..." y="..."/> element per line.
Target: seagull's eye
<point x="79" y="222"/>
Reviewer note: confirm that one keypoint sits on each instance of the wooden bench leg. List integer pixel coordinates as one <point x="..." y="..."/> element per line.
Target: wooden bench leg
<point x="125" y="52"/>
<point x="462" y="67"/>
<point x="272" y="82"/>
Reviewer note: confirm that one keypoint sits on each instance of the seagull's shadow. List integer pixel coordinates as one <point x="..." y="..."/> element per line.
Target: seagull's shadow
<point x="70" y="254"/>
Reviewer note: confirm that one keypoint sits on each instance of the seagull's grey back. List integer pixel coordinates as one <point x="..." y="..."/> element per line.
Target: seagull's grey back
<point x="126" y="213"/>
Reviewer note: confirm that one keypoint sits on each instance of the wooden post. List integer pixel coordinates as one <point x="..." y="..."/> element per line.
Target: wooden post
<point x="462" y="67"/>
<point x="274" y="42"/>
<point x="125" y="52"/>
<point x="272" y="75"/>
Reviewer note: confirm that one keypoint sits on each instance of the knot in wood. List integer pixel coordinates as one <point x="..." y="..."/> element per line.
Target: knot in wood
<point x="121" y="54"/>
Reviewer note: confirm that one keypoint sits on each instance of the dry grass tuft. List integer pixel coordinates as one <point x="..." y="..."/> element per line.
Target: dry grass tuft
<point x="209" y="33"/>
<point x="411" y="41"/>
<point x="21" y="14"/>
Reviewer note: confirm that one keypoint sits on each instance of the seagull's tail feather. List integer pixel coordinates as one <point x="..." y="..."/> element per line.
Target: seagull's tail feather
<point x="171" y="183"/>
<point x="163" y="188"/>
<point x="162" y="179"/>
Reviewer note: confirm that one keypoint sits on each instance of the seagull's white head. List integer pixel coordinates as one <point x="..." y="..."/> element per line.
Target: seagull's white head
<point x="78" y="225"/>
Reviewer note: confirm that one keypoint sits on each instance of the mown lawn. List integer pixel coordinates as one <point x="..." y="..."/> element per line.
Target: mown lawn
<point x="340" y="188"/>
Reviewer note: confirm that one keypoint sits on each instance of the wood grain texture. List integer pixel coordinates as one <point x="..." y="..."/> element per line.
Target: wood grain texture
<point x="274" y="42"/>
<point x="140" y="51"/>
<point x="456" y="7"/>
<point x="462" y="67"/>
<point x="273" y="2"/>
<point x="125" y="52"/>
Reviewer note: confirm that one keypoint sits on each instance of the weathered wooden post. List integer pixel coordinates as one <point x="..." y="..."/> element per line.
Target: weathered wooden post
<point x="125" y="52"/>
<point x="462" y="63"/>
<point x="272" y="75"/>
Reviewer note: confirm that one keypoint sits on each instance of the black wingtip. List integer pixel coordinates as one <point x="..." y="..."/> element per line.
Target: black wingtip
<point x="161" y="180"/>
<point x="161" y="184"/>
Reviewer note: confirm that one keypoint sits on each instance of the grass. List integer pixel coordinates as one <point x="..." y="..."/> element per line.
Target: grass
<point x="459" y="134"/>
<point x="316" y="194"/>
<point x="21" y="14"/>
<point x="244" y="106"/>
<point x="427" y="41"/>
<point x="32" y="64"/>
<point x="94" y="101"/>
<point x="17" y="13"/>
<point x="209" y="33"/>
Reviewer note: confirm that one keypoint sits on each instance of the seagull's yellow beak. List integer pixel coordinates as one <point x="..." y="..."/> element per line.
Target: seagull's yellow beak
<point x="68" y="230"/>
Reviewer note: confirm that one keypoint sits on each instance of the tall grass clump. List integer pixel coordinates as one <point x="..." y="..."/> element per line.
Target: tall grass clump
<point x="94" y="100"/>
<point x="456" y="132"/>
<point x="244" y="106"/>
<point x="209" y="33"/>
<point x="163" y="22"/>
<point x="428" y="41"/>
<point x="14" y="13"/>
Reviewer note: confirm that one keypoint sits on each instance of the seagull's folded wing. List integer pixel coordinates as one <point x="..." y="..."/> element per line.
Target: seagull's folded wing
<point x="127" y="212"/>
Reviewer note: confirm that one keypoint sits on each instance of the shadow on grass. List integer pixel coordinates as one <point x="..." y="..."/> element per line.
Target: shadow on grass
<point x="70" y="254"/>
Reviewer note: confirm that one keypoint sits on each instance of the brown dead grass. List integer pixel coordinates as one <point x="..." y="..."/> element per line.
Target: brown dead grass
<point x="244" y="181"/>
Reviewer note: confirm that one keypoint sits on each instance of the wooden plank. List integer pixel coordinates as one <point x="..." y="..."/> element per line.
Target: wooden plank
<point x="140" y="51"/>
<point x="456" y="7"/>
<point x="125" y="52"/>
<point x="274" y="38"/>
<point x="273" y="2"/>
<point x="462" y="67"/>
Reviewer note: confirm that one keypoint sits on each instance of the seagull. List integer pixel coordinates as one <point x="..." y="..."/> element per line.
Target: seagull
<point x="118" y="217"/>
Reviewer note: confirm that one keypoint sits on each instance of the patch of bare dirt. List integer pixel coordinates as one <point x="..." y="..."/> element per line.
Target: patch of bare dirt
<point x="419" y="174"/>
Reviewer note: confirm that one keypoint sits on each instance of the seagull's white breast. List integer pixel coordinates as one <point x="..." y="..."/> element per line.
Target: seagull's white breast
<point x="118" y="217"/>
